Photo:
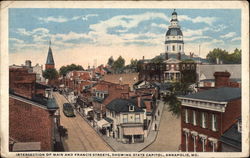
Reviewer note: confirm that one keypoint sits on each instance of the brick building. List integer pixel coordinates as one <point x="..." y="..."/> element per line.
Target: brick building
<point x="33" y="113"/>
<point x="206" y="115"/>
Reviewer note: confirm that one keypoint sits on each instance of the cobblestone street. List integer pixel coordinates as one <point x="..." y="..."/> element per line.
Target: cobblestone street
<point x="81" y="137"/>
<point x="169" y="134"/>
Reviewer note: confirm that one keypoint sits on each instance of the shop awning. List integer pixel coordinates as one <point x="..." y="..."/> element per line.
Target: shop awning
<point x="133" y="131"/>
<point x="87" y="110"/>
<point x="102" y="123"/>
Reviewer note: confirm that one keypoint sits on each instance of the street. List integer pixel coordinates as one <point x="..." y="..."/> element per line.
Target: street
<point x="169" y="136"/>
<point x="81" y="136"/>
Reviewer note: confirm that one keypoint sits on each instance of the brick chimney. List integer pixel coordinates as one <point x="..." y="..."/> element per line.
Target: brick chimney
<point x="166" y="56"/>
<point x="221" y="79"/>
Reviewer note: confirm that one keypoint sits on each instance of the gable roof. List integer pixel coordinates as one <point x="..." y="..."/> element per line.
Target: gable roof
<point x="122" y="105"/>
<point x="218" y="94"/>
<point x="208" y="70"/>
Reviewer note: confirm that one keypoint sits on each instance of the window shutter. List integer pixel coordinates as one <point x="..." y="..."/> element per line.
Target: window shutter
<point x="215" y="123"/>
<point x="183" y="115"/>
<point x="210" y="123"/>
<point x="190" y="116"/>
<point x="200" y="118"/>
<point x="206" y="119"/>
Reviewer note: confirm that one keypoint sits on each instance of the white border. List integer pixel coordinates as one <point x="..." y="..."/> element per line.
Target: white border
<point x="243" y="5"/>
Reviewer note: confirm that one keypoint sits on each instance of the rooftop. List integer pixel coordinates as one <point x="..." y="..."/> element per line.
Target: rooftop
<point x="232" y="137"/>
<point x="218" y="94"/>
<point x="122" y="105"/>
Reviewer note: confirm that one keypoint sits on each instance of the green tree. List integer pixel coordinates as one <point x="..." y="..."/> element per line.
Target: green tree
<point x="224" y="56"/>
<point x="217" y="53"/>
<point x="65" y="69"/>
<point x="119" y="64"/>
<point x="177" y="88"/>
<point x="110" y="61"/>
<point x="50" y="74"/>
<point x="133" y="62"/>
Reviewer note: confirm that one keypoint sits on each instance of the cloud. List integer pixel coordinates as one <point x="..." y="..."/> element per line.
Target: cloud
<point x="189" y="32"/>
<point x="196" y="37"/>
<point x="228" y="35"/>
<point x="58" y="19"/>
<point x="15" y="40"/>
<point x="85" y="18"/>
<point x="236" y="39"/>
<point x="199" y="19"/>
<point x="219" y="28"/>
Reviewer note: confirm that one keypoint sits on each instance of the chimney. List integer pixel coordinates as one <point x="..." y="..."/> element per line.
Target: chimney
<point x="166" y="56"/>
<point x="179" y="56"/>
<point x="221" y="79"/>
<point x="28" y="63"/>
<point x="139" y="101"/>
<point x="143" y="57"/>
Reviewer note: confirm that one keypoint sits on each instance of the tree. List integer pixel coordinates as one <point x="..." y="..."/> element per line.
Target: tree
<point x="217" y="53"/>
<point x="224" y="56"/>
<point x="110" y="61"/>
<point x="65" y="69"/>
<point x="50" y="74"/>
<point x="119" y="64"/>
<point x="133" y="62"/>
<point x="177" y="88"/>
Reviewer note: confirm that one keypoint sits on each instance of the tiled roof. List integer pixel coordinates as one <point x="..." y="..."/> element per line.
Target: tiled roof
<point x="232" y="137"/>
<point x="122" y="105"/>
<point x="217" y="94"/>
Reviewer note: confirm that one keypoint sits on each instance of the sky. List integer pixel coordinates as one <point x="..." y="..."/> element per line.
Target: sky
<point x="91" y="36"/>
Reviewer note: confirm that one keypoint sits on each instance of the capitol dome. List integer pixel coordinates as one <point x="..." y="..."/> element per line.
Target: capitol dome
<point x="174" y="32"/>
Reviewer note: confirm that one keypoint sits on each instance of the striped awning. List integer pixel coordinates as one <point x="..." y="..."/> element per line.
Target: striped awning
<point x="133" y="131"/>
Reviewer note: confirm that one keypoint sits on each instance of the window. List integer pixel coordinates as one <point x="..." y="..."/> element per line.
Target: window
<point x="203" y="120"/>
<point x="137" y="118"/>
<point x="131" y="108"/>
<point x="125" y="118"/>
<point x="179" y="47"/>
<point x="194" y="118"/>
<point x="173" y="48"/>
<point x="214" y="122"/>
<point x="167" y="48"/>
<point x="186" y="115"/>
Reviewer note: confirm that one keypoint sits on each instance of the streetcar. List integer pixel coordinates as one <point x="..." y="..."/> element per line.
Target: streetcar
<point x="68" y="110"/>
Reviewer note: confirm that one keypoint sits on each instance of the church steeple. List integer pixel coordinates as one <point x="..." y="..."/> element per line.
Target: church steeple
<point x="50" y="64"/>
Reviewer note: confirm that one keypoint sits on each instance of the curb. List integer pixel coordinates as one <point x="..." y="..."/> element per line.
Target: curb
<point x="155" y="136"/>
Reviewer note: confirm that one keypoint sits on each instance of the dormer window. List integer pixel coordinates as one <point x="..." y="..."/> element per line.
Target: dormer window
<point x="131" y="108"/>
